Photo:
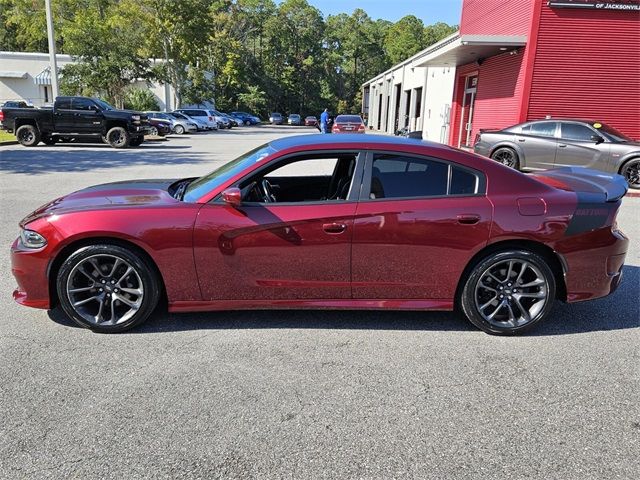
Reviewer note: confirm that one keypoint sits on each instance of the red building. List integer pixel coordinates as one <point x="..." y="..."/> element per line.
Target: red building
<point x="564" y="58"/>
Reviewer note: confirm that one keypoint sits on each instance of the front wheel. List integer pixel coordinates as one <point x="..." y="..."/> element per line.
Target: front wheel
<point x="107" y="288"/>
<point x="118" y="137"/>
<point x="179" y="130"/>
<point x="153" y="131"/>
<point x="631" y="173"/>
<point x="507" y="156"/>
<point x="28" y="135"/>
<point x="508" y="292"/>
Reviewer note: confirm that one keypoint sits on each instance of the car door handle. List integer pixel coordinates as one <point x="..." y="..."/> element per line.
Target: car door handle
<point x="562" y="145"/>
<point x="334" y="228"/>
<point x="522" y="140"/>
<point x="468" y="219"/>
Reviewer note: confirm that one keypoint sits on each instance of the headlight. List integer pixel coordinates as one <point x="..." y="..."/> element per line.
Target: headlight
<point x="31" y="239"/>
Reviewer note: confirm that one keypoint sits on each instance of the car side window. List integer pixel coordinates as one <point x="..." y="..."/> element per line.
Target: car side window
<point x="543" y="129"/>
<point x="398" y="176"/>
<point x="574" y="131"/>
<point x="308" y="178"/>
<point x="82" y="104"/>
<point x="63" y="104"/>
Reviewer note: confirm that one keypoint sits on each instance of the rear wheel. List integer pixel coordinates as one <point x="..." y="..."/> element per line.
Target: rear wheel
<point x="508" y="292"/>
<point x="631" y="172"/>
<point x="28" y="135"/>
<point x="507" y="156"/>
<point x="118" y="137"/>
<point x="107" y="288"/>
<point x="247" y="123"/>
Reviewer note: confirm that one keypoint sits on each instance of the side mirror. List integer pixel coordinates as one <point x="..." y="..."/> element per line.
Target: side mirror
<point x="232" y="196"/>
<point x="597" y="139"/>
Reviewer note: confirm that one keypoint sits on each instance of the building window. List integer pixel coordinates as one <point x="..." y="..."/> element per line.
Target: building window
<point x="46" y="94"/>
<point x="418" y="111"/>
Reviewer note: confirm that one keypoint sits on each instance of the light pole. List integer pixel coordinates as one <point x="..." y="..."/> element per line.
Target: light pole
<point x="53" y="64"/>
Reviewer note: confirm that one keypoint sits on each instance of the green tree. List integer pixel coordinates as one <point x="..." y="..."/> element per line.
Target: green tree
<point x="254" y="99"/>
<point x="436" y="32"/>
<point x="140" y="99"/>
<point x="404" y="38"/>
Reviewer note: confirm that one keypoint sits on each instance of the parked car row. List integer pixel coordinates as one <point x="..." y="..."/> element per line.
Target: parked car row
<point x="77" y="118"/>
<point x="552" y="143"/>
<point x="294" y="119"/>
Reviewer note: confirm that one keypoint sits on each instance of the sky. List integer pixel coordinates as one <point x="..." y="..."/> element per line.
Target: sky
<point x="429" y="11"/>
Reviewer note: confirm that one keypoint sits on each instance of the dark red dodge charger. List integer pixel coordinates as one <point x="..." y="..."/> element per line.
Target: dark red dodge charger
<point x="329" y="222"/>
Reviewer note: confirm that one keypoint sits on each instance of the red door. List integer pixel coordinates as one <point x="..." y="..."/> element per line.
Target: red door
<point x="270" y="251"/>
<point x="407" y="247"/>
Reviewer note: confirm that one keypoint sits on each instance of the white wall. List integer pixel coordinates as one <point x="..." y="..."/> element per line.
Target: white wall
<point x="34" y="63"/>
<point x="427" y="113"/>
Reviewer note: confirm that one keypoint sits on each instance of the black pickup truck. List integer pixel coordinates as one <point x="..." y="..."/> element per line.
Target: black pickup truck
<point x="76" y="117"/>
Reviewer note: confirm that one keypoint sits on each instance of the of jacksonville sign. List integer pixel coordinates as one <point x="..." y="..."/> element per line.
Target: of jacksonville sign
<point x="628" y="5"/>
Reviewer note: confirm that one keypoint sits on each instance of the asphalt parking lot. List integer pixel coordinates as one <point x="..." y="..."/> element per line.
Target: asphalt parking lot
<point x="303" y="395"/>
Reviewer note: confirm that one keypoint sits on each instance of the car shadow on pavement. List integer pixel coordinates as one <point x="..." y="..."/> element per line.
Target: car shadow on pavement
<point x="615" y="312"/>
<point x="81" y="158"/>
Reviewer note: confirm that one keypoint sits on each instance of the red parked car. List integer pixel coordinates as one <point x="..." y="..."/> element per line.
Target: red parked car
<point x="329" y="222"/>
<point x="310" y="121"/>
<point x="348" y="124"/>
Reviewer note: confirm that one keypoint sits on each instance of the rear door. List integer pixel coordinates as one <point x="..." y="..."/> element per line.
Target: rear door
<point x="576" y="147"/>
<point x="63" y="116"/>
<point x="418" y="223"/>
<point x="538" y="142"/>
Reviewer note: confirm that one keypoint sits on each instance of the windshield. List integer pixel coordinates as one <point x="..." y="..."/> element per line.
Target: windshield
<point x="348" y="119"/>
<point x="202" y="185"/>
<point x="611" y="132"/>
<point x="104" y="105"/>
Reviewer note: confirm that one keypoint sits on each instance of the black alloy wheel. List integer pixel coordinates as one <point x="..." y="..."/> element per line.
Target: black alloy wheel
<point x="118" y="137"/>
<point x="28" y="135"/>
<point x="631" y="173"/>
<point x="509" y="292"/>
<point x="507" y="156"/>
<point x="107" y="288"/>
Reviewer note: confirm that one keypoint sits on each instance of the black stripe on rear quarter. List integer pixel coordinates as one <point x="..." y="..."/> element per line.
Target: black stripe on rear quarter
<point x="591" y="213"/>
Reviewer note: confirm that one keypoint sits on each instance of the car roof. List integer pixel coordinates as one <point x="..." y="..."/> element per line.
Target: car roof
<point x="332" y="140"/>
<point x="559" y="119"/>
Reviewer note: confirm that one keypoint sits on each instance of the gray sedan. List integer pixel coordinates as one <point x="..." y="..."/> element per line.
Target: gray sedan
<point x="178" y="125"/>
<point x="554" y="143"/>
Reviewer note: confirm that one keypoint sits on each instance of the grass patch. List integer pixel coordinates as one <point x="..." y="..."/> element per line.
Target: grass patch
<point x="6" y="136"/>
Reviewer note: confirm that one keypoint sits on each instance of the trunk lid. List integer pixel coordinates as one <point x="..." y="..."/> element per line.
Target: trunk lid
<point x="598" y="186"/>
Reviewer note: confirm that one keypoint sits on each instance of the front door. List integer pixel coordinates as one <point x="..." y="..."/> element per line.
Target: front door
<point x="296" y="245"/>
<point x="416" y="230"/>
<point x="87" y="118"/>
<point x="63" y="116"/>
<point x="577" y="147"/>
<point x="466" y="118"/>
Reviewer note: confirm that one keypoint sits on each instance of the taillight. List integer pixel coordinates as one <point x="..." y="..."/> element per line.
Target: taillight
<point x="335" y="129"/>
<point x="361" y="128"/>
<point x="1" y="115"/>
<point x="477" y="140"/>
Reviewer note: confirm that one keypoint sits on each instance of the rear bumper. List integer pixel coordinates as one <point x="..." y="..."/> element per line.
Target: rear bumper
<point x="596" y="272"/>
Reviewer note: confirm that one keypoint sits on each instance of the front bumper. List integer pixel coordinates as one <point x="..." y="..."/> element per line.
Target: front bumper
<point x="29" y="267"/>
<point x="140" y="129"/>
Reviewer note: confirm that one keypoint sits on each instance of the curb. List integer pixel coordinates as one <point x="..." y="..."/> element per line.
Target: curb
<point x="9" y="142"/>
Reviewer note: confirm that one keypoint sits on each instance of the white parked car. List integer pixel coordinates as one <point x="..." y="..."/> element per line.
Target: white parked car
<point x="201" y="113"/>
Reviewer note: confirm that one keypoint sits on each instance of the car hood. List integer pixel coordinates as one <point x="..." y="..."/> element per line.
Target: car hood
<point x="139" y="193"/>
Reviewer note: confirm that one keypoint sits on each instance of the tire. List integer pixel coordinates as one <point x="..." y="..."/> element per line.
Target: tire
<point x="247" y="123"/>
<point x="154" y="131"/>
<point x="118" y="137"/>
<point x="507" y="156"/>
<point x="631" y="173"/>
<point x="179" y="130"/>
<point x="28" y="135"/>
<point x="101" y="303"/>
<point x="49" y="140"/>
<point x="491" y="301"/>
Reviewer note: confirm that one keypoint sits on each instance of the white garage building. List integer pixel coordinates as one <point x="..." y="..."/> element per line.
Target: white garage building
<point x="413" y="96"/>
<point x="26" y="76"/>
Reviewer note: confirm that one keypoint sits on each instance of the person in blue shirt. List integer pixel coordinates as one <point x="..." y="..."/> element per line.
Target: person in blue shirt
<point x="324" y="121"/>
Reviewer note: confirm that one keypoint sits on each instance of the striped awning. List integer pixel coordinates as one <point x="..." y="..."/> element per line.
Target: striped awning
<point x="44" y="77"/>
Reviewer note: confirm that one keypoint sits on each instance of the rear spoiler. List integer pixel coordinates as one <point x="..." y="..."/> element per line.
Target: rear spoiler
<point x="606" y="187"/>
